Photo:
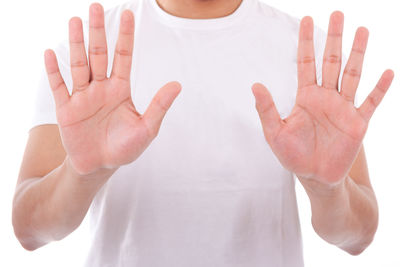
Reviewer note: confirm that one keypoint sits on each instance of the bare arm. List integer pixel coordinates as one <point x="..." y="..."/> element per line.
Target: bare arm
<point x="51" y="199"/>
<point x="346" y="214"/>
<point x="321" y="140"/>
<point x="99" y="130"/>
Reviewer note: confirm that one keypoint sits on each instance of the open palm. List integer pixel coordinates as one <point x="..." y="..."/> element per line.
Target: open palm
<point x="99" y="125"/>
<point x="321" y="137"/>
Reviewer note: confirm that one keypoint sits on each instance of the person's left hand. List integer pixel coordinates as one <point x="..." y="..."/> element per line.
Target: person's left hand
<point x="323" y="134"/>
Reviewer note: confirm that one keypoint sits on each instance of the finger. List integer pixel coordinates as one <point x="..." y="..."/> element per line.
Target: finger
<point x="269" y="116"/>
<point x="124" y="48"/>
<point x="58" y="87"/>
<point x="333" y="52"/>
<point x="79" y="64"/>
<point x="306" y="56"/>
<point x="159" y="106"/>
<point x="370" y="104"/>
<point x="98" y="59"/>
<point x="353" y="69"/>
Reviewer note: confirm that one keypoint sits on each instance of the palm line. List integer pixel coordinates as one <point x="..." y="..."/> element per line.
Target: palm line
<point x="314" y="125"/>
<point x="114" y="108"/>
<point x="336" y="127"/>
<point x="328" y="119"/>
<point x="84" y="119"/>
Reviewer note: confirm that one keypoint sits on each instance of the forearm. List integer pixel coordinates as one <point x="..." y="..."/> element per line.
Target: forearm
<point x="49" y="208"/>
<point x="345" y="215"/>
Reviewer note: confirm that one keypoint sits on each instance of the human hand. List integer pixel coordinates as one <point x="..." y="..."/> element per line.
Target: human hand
<point x="99" y="125"/>
<point x="321" y="137"/>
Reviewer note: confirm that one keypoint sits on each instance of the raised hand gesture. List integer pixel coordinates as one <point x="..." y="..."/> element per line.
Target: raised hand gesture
<point x="323" y="134"/>
<point x="99" y="125"/>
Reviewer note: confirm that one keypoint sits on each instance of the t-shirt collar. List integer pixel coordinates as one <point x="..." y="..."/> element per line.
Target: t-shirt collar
<point x="202" y="24"/>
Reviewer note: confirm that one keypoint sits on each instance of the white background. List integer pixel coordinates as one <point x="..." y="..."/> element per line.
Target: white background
<point x="29" y="27"/>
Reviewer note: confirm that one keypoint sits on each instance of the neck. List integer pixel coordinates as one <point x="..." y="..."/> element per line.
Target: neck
<point x="199" y="9"/>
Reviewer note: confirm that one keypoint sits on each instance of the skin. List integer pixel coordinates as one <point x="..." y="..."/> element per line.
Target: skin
<point x="321" y="140"/>
<point x="199" y="9"/>
<point x="59" y="179"/>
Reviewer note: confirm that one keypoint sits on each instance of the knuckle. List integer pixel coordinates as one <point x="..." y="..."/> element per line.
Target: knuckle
<point x="335" y="59"/>
<point x="99" y="26"/>
<point x="358" y="51"/>
<point x="98" y="50"/>
<point x="381" y="89"/>
<point x="152" y="130"/>
<point x="53" y="72"/>
<point x="76" y="42"/>
<point x="335" y="35"/>
<point x="78" y="63"/>
<point x="119" y="76"/>
<point x="160" y="104"/>
<point x="374" y="101"/>
<point x="330" y="86"/>
<point x="306" y="60"/>
<point x="347" y="96"/>
<point x="266" y="108"/>
<point x="353" y="72"/>
<point x="99" y="77"/>
<point x="123" y="52"/>
<point x="81" y="87"/>
<point x="58" y="86"/>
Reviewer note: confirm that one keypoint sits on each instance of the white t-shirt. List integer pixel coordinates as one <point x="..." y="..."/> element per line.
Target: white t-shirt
<point x="208" y="191"/>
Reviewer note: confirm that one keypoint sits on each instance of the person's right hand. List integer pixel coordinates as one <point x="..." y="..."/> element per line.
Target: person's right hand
<point x="98" y="122"/>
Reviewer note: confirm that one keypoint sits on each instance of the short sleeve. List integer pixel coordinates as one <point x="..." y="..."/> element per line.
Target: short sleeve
<point x="320" y="37"/>
<point x="44" y="111"/>
<point x="44" y="107"/>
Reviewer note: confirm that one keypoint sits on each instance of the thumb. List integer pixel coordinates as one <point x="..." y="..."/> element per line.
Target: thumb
<point x="269" y="116"/>
<point x="159" y="106"/>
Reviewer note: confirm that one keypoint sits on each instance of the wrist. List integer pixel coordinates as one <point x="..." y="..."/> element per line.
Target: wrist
<point x="317" y="188"/>
<point x="99" y="175"/>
